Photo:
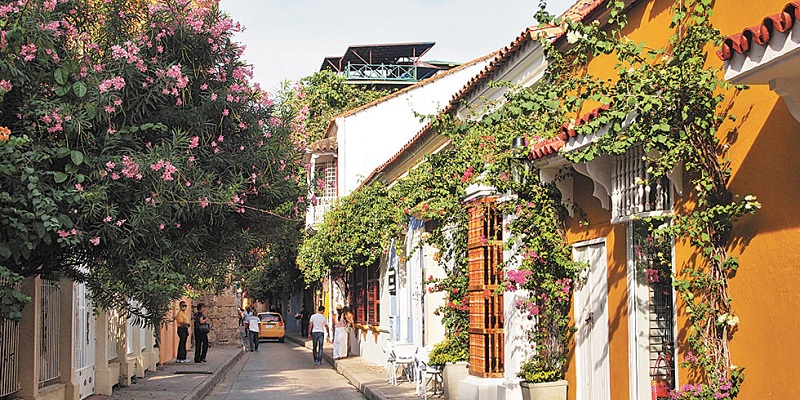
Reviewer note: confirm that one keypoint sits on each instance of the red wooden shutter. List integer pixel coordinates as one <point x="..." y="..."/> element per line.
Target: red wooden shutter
<point x="485" y="254"/>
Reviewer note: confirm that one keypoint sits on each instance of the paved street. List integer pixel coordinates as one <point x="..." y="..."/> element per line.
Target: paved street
<point x="282" y="370"/>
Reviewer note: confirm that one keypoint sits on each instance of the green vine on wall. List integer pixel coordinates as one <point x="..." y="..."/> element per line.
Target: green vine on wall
<point x="678" y="104"/>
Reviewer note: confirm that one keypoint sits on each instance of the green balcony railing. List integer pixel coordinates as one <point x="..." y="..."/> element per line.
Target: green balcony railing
<point x="381" y="72"/>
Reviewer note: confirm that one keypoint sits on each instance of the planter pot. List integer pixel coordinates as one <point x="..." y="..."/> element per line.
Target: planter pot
<point x="544" y="391"/>
<point x="452" y="374"/>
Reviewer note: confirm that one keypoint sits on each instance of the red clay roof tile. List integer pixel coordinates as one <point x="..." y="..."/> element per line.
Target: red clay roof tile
<point x="761" y="33"/>
<point x="553" y="145"/>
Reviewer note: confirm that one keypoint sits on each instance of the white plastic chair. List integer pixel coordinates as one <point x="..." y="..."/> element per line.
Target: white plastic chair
<point x="391" y="366"/>
<point x="404" y="356"/>
<point x="426" y="373"/>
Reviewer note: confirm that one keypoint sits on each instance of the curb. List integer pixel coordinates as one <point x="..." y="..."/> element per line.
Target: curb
<point x="218" y="375"/>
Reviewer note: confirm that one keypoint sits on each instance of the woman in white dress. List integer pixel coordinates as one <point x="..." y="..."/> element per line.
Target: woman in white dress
<point x="340" y="334"/>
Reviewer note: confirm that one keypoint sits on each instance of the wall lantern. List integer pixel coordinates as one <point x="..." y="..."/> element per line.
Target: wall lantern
<point x="520" y="163"/>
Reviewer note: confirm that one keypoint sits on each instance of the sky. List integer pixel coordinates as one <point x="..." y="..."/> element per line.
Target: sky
<point x="288" y="39"/>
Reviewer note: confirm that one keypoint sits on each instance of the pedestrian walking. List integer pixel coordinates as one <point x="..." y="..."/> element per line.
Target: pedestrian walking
<point x="244" y="333"/>
<point x="202" y="325"/>
<point x="318" y="325"/>
<point x="182" y="321"/>
<point x="253" y="323"/>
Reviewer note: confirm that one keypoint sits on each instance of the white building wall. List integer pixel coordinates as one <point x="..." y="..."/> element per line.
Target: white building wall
<point x="371" y="136"/>
<point x="434" y="328"/>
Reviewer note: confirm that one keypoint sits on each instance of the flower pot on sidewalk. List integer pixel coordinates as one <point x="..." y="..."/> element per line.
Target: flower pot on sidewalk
<point x="544" y="391"/>
<point x="452" y="374"/>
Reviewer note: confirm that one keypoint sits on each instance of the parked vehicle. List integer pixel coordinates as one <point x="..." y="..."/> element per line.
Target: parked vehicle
<point x="271" y="326"/>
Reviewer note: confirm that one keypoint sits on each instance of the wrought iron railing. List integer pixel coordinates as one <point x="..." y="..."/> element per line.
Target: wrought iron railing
<point x="9" y="354"/>
<point x="50" y="313"/>
<point x="381" y="72"/>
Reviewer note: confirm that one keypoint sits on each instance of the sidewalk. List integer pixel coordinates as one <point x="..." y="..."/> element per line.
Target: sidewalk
<point x="194" y="381"/>
<point x="368" y="378"/>
<point x="180" y="381"/>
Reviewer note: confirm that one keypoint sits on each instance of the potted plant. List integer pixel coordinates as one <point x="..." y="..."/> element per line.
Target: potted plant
<point x="545" y="271"/>
<point x="541" y="381"/>
<point x="452" y="353"/>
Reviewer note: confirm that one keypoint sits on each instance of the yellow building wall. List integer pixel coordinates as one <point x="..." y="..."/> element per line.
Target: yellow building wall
<point x="615" y="238"/>
<point x="764" y="162"/>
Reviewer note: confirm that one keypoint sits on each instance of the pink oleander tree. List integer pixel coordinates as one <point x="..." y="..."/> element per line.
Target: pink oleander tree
<point x="137" y="155"/>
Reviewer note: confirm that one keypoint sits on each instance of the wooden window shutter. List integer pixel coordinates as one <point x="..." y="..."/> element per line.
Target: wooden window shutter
<point x="485" y="253"/>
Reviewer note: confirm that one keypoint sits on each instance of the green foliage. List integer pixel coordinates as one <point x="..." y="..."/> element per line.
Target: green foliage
<point x="140" y="160"/>
<point x="320" y="97"/>
<point x="536" y="370"/>
<point x="12" y="299"/>
<point x="355" y="233"/>
<point x="453" y="348"/>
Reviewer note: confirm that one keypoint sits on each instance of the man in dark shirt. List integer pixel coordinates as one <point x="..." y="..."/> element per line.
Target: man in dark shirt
<point x="304" y="317"/>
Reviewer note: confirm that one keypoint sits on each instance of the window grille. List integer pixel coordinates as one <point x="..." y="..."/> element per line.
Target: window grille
<point x="485" y="253"/>
<point x="50" y="312"/>
<point x="129" y="335"/>
<point x="630" y="196"/>
<point x="324" y="189"/>
<point x="365" y="294"/>
<point x="113" y="334"/>
<point x="653" y="257"/>
<point x="84" y="332"/>
<point x="9" y="353"/>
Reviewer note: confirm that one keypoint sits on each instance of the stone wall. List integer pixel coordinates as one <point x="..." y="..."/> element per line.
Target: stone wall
<point x="223" y="309"/>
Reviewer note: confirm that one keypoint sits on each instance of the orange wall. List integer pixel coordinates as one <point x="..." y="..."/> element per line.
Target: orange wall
<point x="764" y="162"/>
<point x="168" y="334"/>
<point x="599" y="227"/>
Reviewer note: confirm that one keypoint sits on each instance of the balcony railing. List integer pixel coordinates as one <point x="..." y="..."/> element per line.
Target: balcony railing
<point x="318" y="211"/>
<point x="381" y="72"/>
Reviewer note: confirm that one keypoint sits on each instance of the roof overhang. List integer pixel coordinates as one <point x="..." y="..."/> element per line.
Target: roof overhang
<point x="768" y="54"/>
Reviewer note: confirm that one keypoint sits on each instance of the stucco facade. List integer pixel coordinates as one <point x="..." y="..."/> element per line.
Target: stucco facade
<point x="764" y="290"/>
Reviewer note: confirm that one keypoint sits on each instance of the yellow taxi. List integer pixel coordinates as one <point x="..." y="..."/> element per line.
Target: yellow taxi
<point x="271" y="326"/>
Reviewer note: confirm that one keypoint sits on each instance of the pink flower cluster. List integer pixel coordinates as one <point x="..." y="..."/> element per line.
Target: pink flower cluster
<point x="54" y="121"/>
<point x="467" y="174"/>
<point x="5" y="85"/>
<point x="527" y="306"/>
<point x="6" y="9"/>
<point x="28" y="52"/>
<point x="130" y="168"/>
<point x="652" y="275"/>
<point x="63" y="233"/>
<point x="116" y="82"/>
<point x="516" y="278"/>
<point x="169" y="169"/>
<point x="130" y="53"/>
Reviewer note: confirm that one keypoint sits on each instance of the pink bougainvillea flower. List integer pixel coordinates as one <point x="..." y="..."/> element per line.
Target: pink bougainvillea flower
<point x="95" y="241"/>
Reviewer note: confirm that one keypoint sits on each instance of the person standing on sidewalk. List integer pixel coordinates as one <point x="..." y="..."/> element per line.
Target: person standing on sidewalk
<point x="304" y="319"/>
<point x="253" y="323"/>
<point x="182" y="321"/>
<point x="339" y="334"/>
<point x="202" y="325"/>
<point x="318" y="325"/>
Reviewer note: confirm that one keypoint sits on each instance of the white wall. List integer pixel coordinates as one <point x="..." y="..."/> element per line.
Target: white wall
<point x="372" y="136"/>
